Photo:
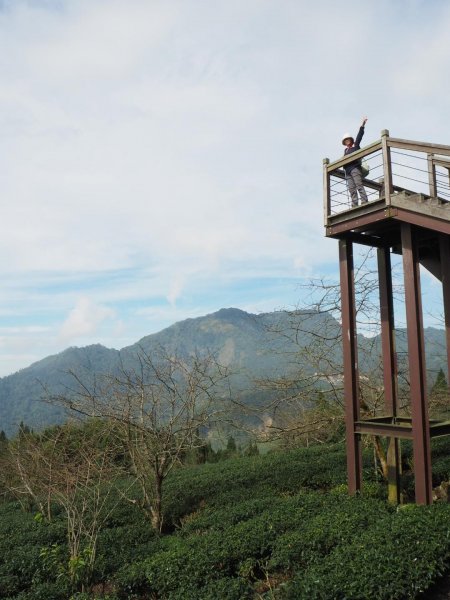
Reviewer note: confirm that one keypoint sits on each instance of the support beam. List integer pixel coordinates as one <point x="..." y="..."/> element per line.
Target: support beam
<point x="389" y="368"/>
<point x="350" y="355"/>
<point x="417" y="368"/>
<point x="387" y="331"/>
<point x="444" y="249"/>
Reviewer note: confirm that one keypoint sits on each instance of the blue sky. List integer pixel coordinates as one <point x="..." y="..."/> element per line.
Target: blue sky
<point x="162" y="159"/>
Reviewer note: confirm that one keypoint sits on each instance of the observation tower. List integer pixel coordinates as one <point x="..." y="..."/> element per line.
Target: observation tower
<point x="407" y="213"/>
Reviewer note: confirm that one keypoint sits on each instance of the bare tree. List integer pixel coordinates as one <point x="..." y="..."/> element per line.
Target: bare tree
<point x="306" y="404"/>
<point x="159" y="410"/>
<point x="21" y="473"/>
<point x="82" y="483"/>
<point x="71" y="466"/>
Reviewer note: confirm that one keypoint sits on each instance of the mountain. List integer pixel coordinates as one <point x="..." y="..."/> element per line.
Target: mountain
<point x="245" y="342"/>
<point x="264" y="345"/>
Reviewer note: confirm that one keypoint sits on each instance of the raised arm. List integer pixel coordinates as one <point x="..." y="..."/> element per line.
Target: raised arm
<point x="360" y="133"/>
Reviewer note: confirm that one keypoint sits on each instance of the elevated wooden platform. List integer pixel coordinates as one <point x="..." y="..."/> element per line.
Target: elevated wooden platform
<point x="408" y="182"/>
<point x="378" y="225"/>
<point x="377" y="219"/>
<point x="408" y="213"/>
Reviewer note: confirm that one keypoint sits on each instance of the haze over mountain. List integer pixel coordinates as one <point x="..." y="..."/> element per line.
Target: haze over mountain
<point x="249" y="344"/>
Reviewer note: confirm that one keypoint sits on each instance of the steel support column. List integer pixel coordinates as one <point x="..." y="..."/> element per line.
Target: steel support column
<point x="387" y="331"/>
<point x="417" y="368"/>
<point x="444" y="247"/>
<point x="350" y="356"/>
<point x="389" y="367"/>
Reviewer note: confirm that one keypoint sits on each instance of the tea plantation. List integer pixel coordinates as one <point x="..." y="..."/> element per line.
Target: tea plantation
<point x="276" y="526"/>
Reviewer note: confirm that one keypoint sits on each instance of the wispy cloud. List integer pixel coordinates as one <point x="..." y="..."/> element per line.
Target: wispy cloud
<point x="84" y="319"/>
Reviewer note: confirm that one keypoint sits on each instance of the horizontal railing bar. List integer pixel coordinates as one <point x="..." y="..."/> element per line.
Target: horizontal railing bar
<point x="374" y="184"/>
<point x="418" y="146"/>
<point x="442" y="162"/>
<point x="354" y="156"/>
<point x="440" y="429"/>
<point x="385" y="429"/>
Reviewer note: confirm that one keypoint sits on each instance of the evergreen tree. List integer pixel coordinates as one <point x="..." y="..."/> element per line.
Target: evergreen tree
<point x="24" y="429"/>
<point x="3" y="441"/>
<point x="439" y="395"/>
<point x="252" y="449"/>
<point x="440" y="385"/>
<point x="231" y="446"/>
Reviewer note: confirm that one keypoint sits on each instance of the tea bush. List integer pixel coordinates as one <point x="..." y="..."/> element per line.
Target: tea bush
<point x="276" y="526"/>
<point x="123" y="545"/>
<point x="48" y="590"/>
<point x="21" y="540"/>
<point x="397" y="558"/>
<point x="316" y="468"/>
<point x="319" y="534"/>
<point x="219" y="545"/>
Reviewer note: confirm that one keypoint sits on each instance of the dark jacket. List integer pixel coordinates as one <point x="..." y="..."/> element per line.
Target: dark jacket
<point x="356" y="146"/>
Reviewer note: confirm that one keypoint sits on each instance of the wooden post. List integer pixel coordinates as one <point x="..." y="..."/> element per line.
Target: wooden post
<point x="431" y="175"/>
<point x="326" y="192"/>
<point x="417" y="368"/>
<point x="389" y="368"/>
<point x="387" y="170"/>
<point x="350" y="355"/>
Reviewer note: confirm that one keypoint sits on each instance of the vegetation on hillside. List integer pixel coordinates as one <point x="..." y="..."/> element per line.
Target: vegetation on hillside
<point x="279" y="525"/>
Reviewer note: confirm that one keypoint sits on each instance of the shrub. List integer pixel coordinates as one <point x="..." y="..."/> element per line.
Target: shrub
<point x="396" y="559"/>
<point x="45" y="591"/>
<point x="123" y="545"/>
<point x="273" y="474"/>
<point x="331" y="527"/>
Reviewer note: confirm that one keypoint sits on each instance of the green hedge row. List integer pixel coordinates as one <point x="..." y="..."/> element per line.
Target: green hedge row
<point x="21" y="539"/>
<point x="326" y="545"/>
<point x="280" y="525"/>
<point x="398" y="558"/>
<point x="247" y="541"/>
<point x="316" y="468"/>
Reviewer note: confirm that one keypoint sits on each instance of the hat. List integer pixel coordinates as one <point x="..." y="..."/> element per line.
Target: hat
<point x="347" y="136"/>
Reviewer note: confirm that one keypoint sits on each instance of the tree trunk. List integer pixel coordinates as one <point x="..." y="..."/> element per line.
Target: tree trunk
<point x="381" y="455"/>
<point x="156" y="510"/>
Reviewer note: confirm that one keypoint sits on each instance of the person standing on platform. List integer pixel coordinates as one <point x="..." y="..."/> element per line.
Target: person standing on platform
<point x="353" y="174"/>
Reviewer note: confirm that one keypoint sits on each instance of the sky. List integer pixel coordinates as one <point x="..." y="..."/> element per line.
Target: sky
<point x="160" y="160"/>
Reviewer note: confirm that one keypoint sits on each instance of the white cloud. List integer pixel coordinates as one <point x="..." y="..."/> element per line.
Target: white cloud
<point x="84" y="320"/>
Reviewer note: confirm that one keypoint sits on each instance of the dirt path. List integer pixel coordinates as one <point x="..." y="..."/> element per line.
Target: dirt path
<point x="439" y="591"/>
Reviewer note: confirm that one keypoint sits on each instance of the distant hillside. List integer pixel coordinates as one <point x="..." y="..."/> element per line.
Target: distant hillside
<point x="247" y="343"/>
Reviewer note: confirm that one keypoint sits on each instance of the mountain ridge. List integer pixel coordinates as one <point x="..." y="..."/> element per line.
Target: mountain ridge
<point x="248" y="343"/>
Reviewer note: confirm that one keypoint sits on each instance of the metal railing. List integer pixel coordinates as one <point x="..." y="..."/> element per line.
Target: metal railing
<point x="395" y="165"/>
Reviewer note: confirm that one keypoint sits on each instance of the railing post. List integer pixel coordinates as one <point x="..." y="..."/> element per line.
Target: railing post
<point x="326" y="192"/>
<point x="387" y="171"/>
<point x="432" y="175"/>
